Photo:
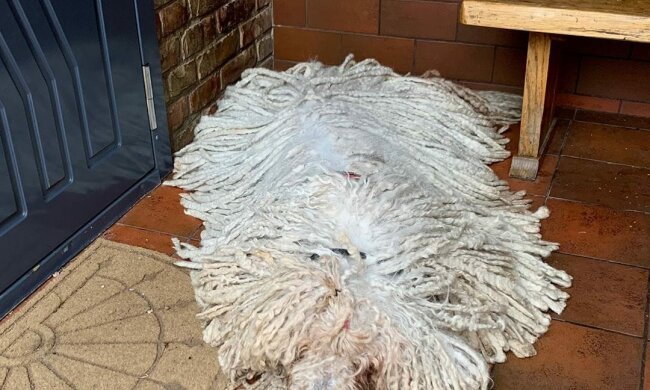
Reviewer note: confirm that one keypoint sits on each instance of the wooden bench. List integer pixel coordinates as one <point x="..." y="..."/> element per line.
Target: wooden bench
<point x="627" y="20"/>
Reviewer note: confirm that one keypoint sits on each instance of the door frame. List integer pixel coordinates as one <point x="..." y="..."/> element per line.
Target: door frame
<point x="42" y="271"/>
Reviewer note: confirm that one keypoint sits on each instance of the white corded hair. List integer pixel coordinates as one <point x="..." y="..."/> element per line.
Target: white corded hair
<point x="355" y="237"/>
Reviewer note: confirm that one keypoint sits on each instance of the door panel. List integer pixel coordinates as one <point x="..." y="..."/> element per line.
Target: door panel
<point x="12" y="199"/>
<point x="81" y="46"/>
<point x="7" y="201"/>
<point x="75" y="114"/>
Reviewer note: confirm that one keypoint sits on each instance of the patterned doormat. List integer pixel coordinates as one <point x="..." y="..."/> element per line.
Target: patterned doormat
<point x="117" y="317"/>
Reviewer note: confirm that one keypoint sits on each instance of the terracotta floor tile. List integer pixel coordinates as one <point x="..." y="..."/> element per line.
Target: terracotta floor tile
<point x="557" y="138"/>
<point x="605" y="295"/>
<point x="513" y="135"/>
<point x="613" y="119"/>
<point x="159" y="242"/>
<point x="502" y="169"/>
<point x="612" y="185"/>
<point x="197" y="233"/>
<point x="162" y="211"/>
<point x="575" y="357"/>
<point x="538" y="187"/>
<point x="599" y="232"/>
<point x="537" y="202"/>
<point x="608" y="143"/>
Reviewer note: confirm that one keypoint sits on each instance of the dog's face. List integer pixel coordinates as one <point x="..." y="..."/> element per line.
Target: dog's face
<point x="350" y="338"/>
<point x="316" y="372"/>
<point x="327" y="323"/>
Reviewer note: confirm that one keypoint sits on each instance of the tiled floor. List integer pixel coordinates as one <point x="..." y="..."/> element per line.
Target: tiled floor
<point x="595" y="178"/>
<point x="154" y="221"/>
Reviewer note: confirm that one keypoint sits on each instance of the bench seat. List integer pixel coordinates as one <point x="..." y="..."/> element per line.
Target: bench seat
<point x="627" y="20"/>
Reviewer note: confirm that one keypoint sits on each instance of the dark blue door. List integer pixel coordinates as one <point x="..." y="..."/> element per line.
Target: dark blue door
<point x="75" y="131"/>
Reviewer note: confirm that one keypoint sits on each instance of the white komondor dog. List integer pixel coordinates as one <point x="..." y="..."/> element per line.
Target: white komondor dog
<point x="355" y="237"/>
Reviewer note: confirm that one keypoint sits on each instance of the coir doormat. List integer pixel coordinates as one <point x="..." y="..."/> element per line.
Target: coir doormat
<point x="117" y="317"/>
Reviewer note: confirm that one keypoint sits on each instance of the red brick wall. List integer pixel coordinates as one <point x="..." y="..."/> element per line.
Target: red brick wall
<point x="417" y="35"/>
<point x="204" y="46"/>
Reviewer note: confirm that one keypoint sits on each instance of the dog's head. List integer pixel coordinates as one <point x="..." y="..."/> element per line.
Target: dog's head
<point x="317" y="372"/>
<point x="327" y="323"/>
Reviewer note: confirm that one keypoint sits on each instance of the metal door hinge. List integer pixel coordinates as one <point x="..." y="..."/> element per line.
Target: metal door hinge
<point x="148" y="93"/>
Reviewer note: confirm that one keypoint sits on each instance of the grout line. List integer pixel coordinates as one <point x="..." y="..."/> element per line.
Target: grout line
<point x="330" y="31"/>
<point x="644" y="356"/>
<point x="306" y="2"/>
<point x="152" y="230"/>
<point x="414" y="56"/>
<point x="610" y="124"/>
<point x="457" y="23"/>
<point x="599" y="205"/>
<point x="559" y="157"/>
<point x="596" y="327"/>
<point x="494" y="62"/>
<point x="379" y="13"/>
<point x="605" y="162"/>
<point x="196" y="233"/>
<point x="617" y="262"/>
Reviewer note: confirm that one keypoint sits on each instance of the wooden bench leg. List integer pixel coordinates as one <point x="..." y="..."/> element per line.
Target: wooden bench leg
<point x="526" y="163"/>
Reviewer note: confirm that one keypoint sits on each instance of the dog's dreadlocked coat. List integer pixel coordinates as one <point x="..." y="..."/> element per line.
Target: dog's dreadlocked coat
<point x="355" y="237"/>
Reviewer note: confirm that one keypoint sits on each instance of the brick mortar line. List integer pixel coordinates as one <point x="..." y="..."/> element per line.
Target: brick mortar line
<point x="341" y="32"/>
<point x="218" y="71"/>
<point x="178" y="32"/>
<point x="187" y="60"/>
<point x="200" y="111"/>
